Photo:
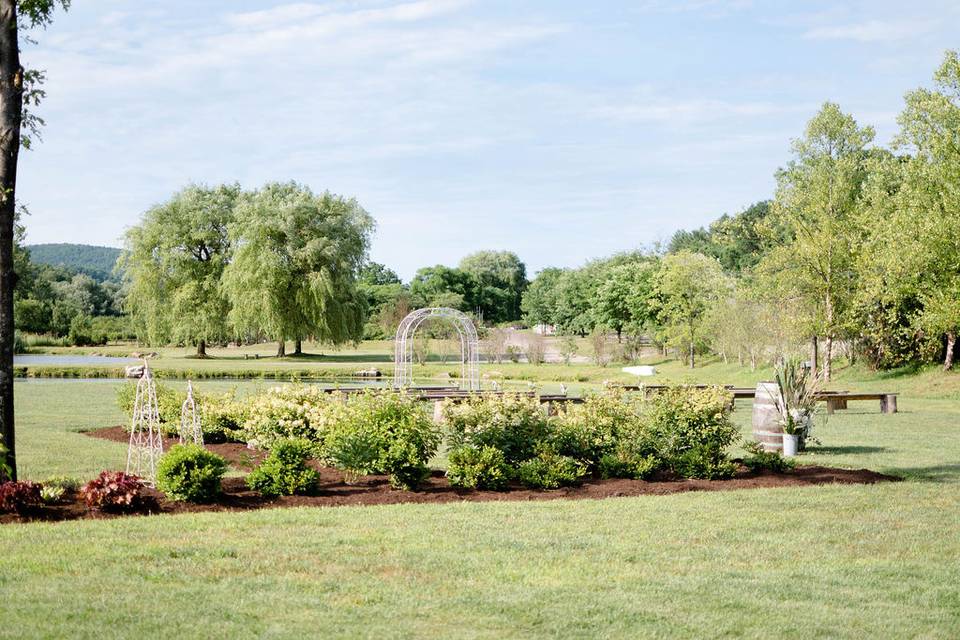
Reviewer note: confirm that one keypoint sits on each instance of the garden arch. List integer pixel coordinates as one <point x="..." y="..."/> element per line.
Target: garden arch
<point x="469" y="346"/>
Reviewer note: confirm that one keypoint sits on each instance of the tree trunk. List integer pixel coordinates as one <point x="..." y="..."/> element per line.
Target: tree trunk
<point x="619" y="335"/>
<point x="298" y="347"/>
<point x="815" y="355"/>
<point x="951" y="343"/>
<point x="827" y="357"/>
<point x="11" y="114"/>
<point x="691" y="355"/>
<point x="202" y="348"/>
<point x="281" y="348"/>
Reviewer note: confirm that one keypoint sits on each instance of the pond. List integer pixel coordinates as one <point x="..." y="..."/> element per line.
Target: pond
<point x="61" y="360"/>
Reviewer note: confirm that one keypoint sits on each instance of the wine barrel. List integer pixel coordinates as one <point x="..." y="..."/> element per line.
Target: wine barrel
<point x="766" y="419"/>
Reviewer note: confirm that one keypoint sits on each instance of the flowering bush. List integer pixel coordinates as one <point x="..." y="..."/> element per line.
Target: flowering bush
<point x="19" y="496"/>
<point x="115" y="491"/>
<point x="300" y="412"/>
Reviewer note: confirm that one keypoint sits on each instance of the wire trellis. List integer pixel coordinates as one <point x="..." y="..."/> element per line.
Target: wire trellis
<point x="146" y="440"/>
<point x="190" y="431"/>
<point x="469" y="346"/>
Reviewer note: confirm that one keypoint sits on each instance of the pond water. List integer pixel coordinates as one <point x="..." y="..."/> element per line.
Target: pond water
<point x="60" y="360"/>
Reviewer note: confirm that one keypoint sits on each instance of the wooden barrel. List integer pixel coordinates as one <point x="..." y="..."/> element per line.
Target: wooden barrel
<point x="766" y="419"/>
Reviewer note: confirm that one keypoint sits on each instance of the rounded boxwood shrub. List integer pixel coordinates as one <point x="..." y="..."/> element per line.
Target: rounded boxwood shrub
<point x="478" y="468"/>
<point x="190" y="472"/>
<point x="285" y="471"/>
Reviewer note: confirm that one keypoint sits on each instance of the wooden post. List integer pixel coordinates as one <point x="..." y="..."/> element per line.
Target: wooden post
<point x="888" y="403"/>
<point x="438" y="411"/>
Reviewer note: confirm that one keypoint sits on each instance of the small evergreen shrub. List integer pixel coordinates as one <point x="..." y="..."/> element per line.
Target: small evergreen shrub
<point x="550" y="470"/>
<point x="116" y="491"/>
<point x="760" y="460"/>
<point x="472" y="467"/>
<point x="17" y="497"/>
<point x="191" y="473"/>
<point x="285" y="471"/>
<point x="705" y="462"/>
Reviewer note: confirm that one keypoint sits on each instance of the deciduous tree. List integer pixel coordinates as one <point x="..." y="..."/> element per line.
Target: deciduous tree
<point x="295" y="265"/>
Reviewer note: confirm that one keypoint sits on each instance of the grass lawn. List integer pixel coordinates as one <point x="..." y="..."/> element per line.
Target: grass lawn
<point x="820" y="562"/>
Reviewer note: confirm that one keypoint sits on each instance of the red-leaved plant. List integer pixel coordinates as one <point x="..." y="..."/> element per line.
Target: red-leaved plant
<point x="115" y="491"/>
<point x="18" y="496"/>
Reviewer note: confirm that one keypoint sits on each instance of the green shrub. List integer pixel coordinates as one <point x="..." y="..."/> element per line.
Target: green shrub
<point x="383" y="432"/>
<point x="593" y="429"/>
<point x="626" y="463"/>
<point x="472" y="467"/>
<point x="222" y="417"/>
<point x="684" y="418"/>
<point x="190" y="472"/>
<point x="355" y="452"/>
<point x="550" y="470"/>
<point x="706" y="462"/>
<point x="285" y="471"/>
<point x="760" y="460"/>
<point x="515" y="425"/>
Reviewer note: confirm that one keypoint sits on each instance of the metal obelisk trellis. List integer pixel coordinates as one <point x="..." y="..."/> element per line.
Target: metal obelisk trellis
<point x="469" y="346"/>
<point x="146" y="440"/>
<point x="190" y="431"/>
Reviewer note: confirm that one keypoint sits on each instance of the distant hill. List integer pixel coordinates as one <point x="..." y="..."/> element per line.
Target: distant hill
<point x="97" y="262"/>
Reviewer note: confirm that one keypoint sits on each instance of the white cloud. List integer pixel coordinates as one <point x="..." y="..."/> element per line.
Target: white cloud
<point x="873" y="31"/>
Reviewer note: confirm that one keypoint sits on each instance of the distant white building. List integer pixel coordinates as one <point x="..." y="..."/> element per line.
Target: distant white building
<point x="545" y="329"/>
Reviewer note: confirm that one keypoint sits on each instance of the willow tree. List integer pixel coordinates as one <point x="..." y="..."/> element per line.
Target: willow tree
<point x="816" y="201"/>
<point x="19" y="89"/>
<point x="295" y="265"/>
<point x="173" y="262"/>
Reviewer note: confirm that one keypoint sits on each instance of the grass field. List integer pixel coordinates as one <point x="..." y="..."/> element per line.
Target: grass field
<point x="878" y="561"/>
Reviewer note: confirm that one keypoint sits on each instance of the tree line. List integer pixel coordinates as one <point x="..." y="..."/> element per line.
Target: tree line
<point x="858" y="249"/>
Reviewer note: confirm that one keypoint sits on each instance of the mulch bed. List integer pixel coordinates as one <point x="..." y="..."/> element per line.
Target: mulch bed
<point x="373" y="490"/>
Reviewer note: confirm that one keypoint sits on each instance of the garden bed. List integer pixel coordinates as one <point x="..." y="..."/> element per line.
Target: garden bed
<point x="374" y="490"/>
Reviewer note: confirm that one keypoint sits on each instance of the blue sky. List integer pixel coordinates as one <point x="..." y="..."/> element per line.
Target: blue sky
<point x="559" y="130"/>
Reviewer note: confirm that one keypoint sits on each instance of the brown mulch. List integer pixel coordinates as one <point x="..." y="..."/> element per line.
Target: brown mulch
<point x="373" y="490"/>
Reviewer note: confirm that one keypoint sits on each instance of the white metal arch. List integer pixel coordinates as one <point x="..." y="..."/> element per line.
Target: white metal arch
<point x="469" y="346"/>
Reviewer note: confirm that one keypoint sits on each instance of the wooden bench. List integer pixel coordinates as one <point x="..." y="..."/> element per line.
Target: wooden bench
<point x="836" y="401"/>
